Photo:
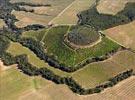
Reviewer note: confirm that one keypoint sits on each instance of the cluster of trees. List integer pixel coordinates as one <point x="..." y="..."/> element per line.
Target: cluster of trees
<point x="104" y="21"/>
<point x="31" y="4"/>
<point x="83" y="35"/>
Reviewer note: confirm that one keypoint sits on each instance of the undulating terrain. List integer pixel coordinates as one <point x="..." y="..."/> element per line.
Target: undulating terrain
<point x="67" y="49"/>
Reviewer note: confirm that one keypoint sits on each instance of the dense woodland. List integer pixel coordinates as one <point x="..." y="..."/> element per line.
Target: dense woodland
<point x="103" y="21"/>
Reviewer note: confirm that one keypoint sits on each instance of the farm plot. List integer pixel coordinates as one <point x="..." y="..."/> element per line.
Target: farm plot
<point x="69" y="15"/>
<point x="44" y="17"/>
<point x="2" y="23"/>
<point x="17" y="49"/>
<point x="123" y="34"/>
<point x="55" y="46"/>
<point x="97" y="73"/>
<point x="123" y="91"/>
<point x="112" y="6"/>
<point x="14" y="83"/>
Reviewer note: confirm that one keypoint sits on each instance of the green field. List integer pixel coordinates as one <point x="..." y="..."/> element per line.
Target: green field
<point x="16" y="49"/>
<point x="55" y="46"/>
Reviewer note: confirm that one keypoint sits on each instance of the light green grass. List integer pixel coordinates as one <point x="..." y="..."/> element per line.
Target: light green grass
<point x="38" y="35"/>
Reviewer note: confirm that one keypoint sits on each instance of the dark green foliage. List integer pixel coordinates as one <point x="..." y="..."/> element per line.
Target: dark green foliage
<point x="83" y="35"/>
<point x="103" y="21"/>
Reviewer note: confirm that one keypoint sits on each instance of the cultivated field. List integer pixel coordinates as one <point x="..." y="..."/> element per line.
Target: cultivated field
<point x="97" y="73"/>
<point x="14" y="84"/>
<point x="17" y="49"/>
<point x="112" y="6"/>
<point x="123" y="91"/>
<point x="2" y="23"/>
<point x="61" y="51"/>
<point x="44" y="17"/>
<point x="69" y="15"/>
<point x="123" y="34"/>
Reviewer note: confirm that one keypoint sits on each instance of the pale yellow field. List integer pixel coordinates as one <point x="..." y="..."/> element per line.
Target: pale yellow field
<point x="69" y="15"/>
<point x="97" y="73"/>
<point x="112" y="6"/>
<point x="122" y="91"/>
<point x="26" y="18"/>
<point x="42" y="15"/>
<point x="14" y="84"/>
<point x="123" y="34"/>
<point x="2" y="23"/>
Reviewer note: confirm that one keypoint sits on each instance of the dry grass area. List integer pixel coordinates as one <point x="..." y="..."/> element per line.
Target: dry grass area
<point x="122" y="91"/>
<point x="123" y="34"/>
<point x="14" y="84"/>
<point x="42" y="15"/>
<point x="3" y="67"/>
<point x="27" y="18"/>
<point x="97" y="73"/>
<point x="2" y="23"/>
<point x="112" y="6"/>
<point x="69" y="15"/>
